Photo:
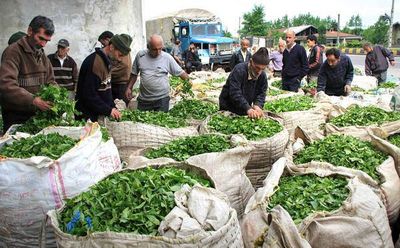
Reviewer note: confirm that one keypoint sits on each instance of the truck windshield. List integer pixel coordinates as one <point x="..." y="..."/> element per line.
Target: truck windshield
<point x="206" y="29"/>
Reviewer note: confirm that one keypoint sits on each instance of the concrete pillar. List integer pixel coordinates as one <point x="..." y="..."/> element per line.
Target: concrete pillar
<point x="78" y="21"/>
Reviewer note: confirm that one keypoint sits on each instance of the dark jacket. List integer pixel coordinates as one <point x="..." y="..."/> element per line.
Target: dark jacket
<point x="121" y="70"/>
<point x="93" y="93"/>
<point x="237" y="58"/>
<point x="376" y="60"/>
<point x="332" y="80"/>
<point x="295" y="63"/>
<point x="22" y="72"/>
<point x="67" y="75"/>
<point x="240" y="92"/>
<point x="190" y="56"/>
<point x="314" y="60"/>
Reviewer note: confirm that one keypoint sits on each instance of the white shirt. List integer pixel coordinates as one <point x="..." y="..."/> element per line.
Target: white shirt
<point x="61" y="60"/>
<point x="291" y="47"/>
<point x="244" y="55"/>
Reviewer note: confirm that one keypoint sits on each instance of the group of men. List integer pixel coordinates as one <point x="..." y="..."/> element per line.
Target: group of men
<point x="105" y="75"/>
<point x="188" y="59"/>
<point x="244" y="91"/>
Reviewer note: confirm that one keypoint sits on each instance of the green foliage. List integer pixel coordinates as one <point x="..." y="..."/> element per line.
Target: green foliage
<point x="345" y="151"/>
<point x="152" y="117"/>
<point x="364" y="116"/>
<point x="253" y="129"/>
<point x="226" y="33"/>
<point x="183" y="148"/>
<point x="395" y="139"/>
<point x="307" y="194"/>
<point x="287" y="104"/>
<point x="377" y="33"/>
<point x="193" y="109"/>
<point x="354" y="44"/>
<point x="51" y="145"/>
<point x="254" y="22"/>
<point x="275" y="92"/>
<point x="62" y="112"/>
<point x="277" y="84"/>
<point x="388" y="85"/>
<point x="128" y="202"/>
<point x="183" y="86"/>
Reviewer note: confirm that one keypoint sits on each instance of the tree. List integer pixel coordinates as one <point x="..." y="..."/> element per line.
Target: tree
<point x="377" y="33"/>
<point x="254" y="23"/>
<point x="226" y="33"/>
<point x="354" y="25"/>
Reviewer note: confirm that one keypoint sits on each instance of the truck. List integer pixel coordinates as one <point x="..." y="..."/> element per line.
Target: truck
<point x="199" y="26"/>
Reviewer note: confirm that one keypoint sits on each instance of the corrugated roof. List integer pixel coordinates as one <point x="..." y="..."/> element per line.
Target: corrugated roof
<point x="334" y="34"/>
<point x="187" y="14"/>
<point x="298" y="29"/>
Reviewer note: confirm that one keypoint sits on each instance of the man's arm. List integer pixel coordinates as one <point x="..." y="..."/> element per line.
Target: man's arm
<point x="235" y="91"/>
<point x="388" y="54"/>
<point x="317" y="58"/>
<point x="322" y="78"/>
<point x="75" y="74"/>
<point x="304" y="63"/>
<point x="349" y="73"/>
<point x="368" y="70"/>
<point x="232" y="62"/>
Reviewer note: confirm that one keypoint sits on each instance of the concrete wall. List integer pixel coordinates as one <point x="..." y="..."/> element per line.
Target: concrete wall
<point x="78" y="21"/>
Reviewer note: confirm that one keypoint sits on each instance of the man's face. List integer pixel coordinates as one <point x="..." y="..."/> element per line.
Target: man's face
<point x="155" y="49"/>
<point x="310" y="43"/>
<point x="332" y="60"/>
<point x="244" y="46"/>
<point x="62" y="51"/>
<point x="368" y="49"/>
<point x="115" y="54"/>
<point x="256" y="68"/>
<point x="290" y="37"/>
<point x="40" y="38"/>
<point x="281" y="47"/>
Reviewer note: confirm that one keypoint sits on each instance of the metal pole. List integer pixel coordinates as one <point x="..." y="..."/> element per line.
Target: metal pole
<point x="337" y="32"/>
<point x="391" y="25"/>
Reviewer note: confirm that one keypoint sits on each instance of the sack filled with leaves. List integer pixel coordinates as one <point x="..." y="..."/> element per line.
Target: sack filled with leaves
<point x="153" y="206"/>
<point x="315" y="207"/>
<point x="360" y="158"/>
<point x="193" y="109"/>
<point x="267" y="137"/>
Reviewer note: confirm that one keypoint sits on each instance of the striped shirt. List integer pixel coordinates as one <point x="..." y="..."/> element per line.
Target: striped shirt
<point x="66" y="75"/>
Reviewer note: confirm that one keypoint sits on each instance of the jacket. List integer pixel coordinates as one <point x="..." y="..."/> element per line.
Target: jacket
<point x="314" y="60"/>
<point x="121" y="71"/>
<point x="237" y="58"/>
<point x="376" y="60"/>
<point x="66" y="75"/>
<point x="295" y="63"/>
<point x="93" y="94"/>
<point x="22" y="72"/>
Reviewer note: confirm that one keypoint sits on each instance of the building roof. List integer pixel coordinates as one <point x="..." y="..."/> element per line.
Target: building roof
<point x="334" y="34"/>
<point x="297" y="29"/>
<point x="188" y="14"/>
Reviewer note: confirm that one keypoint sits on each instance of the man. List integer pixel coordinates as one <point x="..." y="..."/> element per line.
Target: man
<point x="376" y="61"/>
<point x="192" y="58"/>
<point x="336" y="74"/>
<point x="16" y="37"/>
<point x="243" y="55"/>
<point x="176" y="52"/>
<point x="154" y="65"/>
<point x="314" y="58"/>
<point x="244" y="91"/>
<point x="24" y="69"/>
<point x="295" y="64"/>
<point x="276" y="58"/>
<point x="105" y="38"/>
<point x="93" y="95"/>
<point x="120" y="73"/>
<point x="64" y="67"/>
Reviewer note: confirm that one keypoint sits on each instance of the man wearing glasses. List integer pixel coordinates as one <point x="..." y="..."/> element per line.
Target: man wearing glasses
<point x="23" y="70"/>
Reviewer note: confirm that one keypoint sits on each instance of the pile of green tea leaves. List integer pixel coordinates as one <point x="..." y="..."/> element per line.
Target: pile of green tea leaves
<point x="306" y="194"/>
<point x="395" y="139"/>
<point x="127" y="202"/>
<point x="193" y="109"/>
<point x="388" y="85"/>
<point x="51" y="145"/>
<point x="158" y="118"/>
<point x="287" y="104"/>
<point x="364" y="116"/>
<point x="253" y="129"/>
<point x="183" y="86"/>
<point x="183" y="148"/>
<point x="346" y="151"/>
<point x="310" y="85"/>
<point x="275" y="92"/>
<point x="62" y="112"/>
<point x="277" y="84"/>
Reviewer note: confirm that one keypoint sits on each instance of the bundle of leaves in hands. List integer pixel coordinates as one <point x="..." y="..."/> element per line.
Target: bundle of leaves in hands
<point x="395" y="139"/>
<point x="287" y="104"/>
<point x="62" y="112"/>
<point x="153" y="117"/>
<point x="346" y="151"/>
<point x="183" y="148"/>
<point x="253" y="129"/>
<point x="193" y="109"/>
<point x="127" y="202"/>
<point x="51" y="145"/>
<point x="181" y="85"/>
<point x="364" y="116"/>
<point x="306" y="194"/>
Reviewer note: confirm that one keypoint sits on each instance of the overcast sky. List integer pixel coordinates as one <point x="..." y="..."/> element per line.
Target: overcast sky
<point x="230" y="10"/>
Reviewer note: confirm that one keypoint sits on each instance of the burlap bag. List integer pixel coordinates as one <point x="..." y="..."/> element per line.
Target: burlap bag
<point x="228" y="235"/>
<point x="361" y="221"/>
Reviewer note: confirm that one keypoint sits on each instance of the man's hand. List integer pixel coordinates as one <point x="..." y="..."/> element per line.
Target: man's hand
<point x="128" y="94"/>
<point x="392" y="63"/>
<point x="259" y="111"/>
<point x="252" y="113"/>
<point x="41" y="104"/>
<point x="347" y="89"/>
<point x="115" y="114"/>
